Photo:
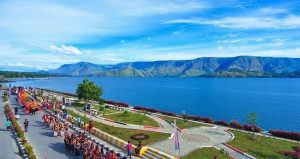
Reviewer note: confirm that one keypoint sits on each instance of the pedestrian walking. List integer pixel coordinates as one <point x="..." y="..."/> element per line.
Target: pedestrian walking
<point x="26" y="123"/>
<point x="138" y="148"/>
<point x="63" y="108"/>
<point x="129" y="149"/>
<point x="79" y="121"/>
<point x="17" y="116"/>
<point x="16" y="110"/>
<point x="8" y="125"/>
<point x="91" y="126"/>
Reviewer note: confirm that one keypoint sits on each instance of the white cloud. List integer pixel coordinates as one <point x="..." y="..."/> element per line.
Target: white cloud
<point x="288" y="22"/>
<point x="271" y="11"/>
<point x="158" y="7"/>
<point x="24" y="66"/>
<point x="69" y="50"/>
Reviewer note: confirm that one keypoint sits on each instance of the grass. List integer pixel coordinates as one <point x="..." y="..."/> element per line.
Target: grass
<point x="133" y="118"/>
<point x="206" y="153"/>
<point x="183" y="124"/>
<point x="125" y="134"/>
<point x="262" y="147"/>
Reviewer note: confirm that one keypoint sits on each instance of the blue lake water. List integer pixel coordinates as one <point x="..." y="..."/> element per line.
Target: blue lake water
<point x="275" y="100"/>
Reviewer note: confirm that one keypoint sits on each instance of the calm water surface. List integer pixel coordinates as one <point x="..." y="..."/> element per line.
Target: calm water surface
<point x="276" y="101"/>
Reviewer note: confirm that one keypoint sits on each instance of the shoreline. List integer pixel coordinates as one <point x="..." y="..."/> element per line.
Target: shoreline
<point x="167" y="113"/>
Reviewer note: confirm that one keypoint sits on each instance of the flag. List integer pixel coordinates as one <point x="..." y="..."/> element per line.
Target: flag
<point x="176" y="136"/>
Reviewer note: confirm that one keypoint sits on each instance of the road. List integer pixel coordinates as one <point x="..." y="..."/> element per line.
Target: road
<point x="44" y="144"/>
<point x="8" y="146"/>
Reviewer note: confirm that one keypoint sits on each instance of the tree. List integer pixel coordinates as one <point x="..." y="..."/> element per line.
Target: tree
<point x="251" y="120"/>
<point x="88" y="90"/>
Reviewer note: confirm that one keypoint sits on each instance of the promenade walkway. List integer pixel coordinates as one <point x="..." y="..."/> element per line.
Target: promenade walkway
<point x="8" y="146"/>
<point x="44" y="144"/>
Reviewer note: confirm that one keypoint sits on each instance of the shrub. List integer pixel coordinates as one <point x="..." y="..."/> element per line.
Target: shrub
<point x="126" y="113"/>
<point x="285" y="134"/>
<point x="119" y="104"/>
<point x="222" y="123"/>
<point x="19" y="131"/>
<point x="101" y="108"/>
<point x="297" y="148"/>
<point x="29" y="151"/>
<point x="168" y="113"/>
<point x="146" y="109"/>
<point x="291" y="154"/>
<point x="154" y="111"/>
<point x="202" y="119"/>
<point x="252" y="128"/>
<point x="235" y="124"/>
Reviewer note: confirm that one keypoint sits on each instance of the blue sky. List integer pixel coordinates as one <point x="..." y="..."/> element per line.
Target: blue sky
<point x="44" y="34"/>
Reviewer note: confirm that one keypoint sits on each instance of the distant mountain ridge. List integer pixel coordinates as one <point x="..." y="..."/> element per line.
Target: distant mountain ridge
<point x="240" y="66"/>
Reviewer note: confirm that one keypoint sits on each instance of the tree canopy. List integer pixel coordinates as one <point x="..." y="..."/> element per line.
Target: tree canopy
<point x="88" y="90"/>
<point x="252" y="118"/>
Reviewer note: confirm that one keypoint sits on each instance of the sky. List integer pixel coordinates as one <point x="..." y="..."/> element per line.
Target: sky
<point x="44" y="34"/>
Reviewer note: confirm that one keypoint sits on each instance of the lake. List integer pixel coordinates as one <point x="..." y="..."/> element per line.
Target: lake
<point x="275" y="100"/>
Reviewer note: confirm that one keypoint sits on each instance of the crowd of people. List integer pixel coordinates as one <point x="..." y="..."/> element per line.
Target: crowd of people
<point x="79" y="145"/>
<point x="59" y="128"/>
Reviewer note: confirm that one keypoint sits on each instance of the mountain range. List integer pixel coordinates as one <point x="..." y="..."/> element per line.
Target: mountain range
<point x="240" y="66"/>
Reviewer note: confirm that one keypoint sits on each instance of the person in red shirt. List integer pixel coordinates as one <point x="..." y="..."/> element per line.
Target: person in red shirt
<point x="91" y="126"/>
<point x="129" y="149"/>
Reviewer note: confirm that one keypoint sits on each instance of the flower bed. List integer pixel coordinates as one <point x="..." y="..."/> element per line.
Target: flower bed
<point x="285" y="134"/>
<point x="19" y="131"/>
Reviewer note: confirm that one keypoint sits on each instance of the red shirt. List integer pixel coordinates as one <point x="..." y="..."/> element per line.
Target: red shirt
<point x="129" y="146"/>
<point x="91" y="125"/>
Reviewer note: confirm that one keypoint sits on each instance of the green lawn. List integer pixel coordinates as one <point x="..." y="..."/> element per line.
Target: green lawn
<point x="133" y="118"/>
<point x="183" y="124"/>
<point x="125" y="134"/>
<point x="206" y="153"/>
<point x="263" y="147"/>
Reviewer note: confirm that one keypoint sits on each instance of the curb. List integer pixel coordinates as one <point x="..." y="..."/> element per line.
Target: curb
<point x="240" y="151"/>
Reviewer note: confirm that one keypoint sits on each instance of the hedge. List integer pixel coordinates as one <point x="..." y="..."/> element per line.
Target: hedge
<point x="285" y="134"/>
<point x="221" y="122"/>
<point x="252" y="128"/>
<point x="235" y="124"/>
<point x="119" y="104"/>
